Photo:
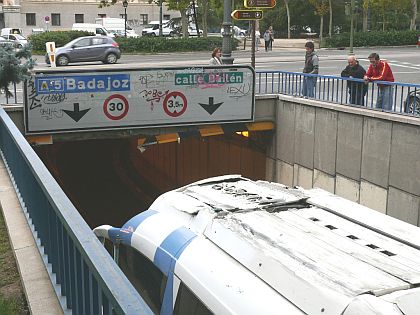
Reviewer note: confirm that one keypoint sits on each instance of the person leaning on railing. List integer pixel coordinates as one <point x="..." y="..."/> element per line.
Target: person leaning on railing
<point x="379" y="70"/>
<point x="357" y="90"/>
<point x="311" y="67"/>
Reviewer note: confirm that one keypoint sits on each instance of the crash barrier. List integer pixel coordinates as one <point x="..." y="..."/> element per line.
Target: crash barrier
<point x="397" y="97"/>
<point x="86" y="279"/>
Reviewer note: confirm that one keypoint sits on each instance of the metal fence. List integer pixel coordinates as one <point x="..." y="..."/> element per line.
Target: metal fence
<point x="81" y="269"/>
<point x="394" y="97"/>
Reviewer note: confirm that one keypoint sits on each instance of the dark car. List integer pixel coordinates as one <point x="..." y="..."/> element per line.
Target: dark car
<point x="412" y="103"/>
<point x="87" y="48"/>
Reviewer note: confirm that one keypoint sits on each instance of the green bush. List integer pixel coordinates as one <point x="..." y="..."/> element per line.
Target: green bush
<point x="135" y="45"/>
<point x="59" y="37"/>
<point x="169" y="44"/>
<point x="366" y="39"/>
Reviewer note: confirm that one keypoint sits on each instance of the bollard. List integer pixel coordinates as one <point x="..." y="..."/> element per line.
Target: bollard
<point x="244" y="43"/>
<point x="51" y="52"/>
<point x="418" y="41"/>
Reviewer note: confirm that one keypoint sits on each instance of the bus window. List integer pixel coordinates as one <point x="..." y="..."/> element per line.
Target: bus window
<point x="188" y="304"/>
<point x="148" y="280"/>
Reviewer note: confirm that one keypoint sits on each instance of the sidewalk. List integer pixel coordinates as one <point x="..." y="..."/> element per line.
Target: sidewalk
<point x="39" y="292"/>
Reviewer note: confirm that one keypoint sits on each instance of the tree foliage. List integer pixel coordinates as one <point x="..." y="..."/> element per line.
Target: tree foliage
<point x="14" y="66"/>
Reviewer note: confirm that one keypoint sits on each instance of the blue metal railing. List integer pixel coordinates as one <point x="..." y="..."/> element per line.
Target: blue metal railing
<point x="85" y="273"/>
<point x="399" y="97"/>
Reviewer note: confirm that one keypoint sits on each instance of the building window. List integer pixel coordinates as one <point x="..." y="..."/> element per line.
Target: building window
<point x="79" y="18"/>
<point x="30" y="19"/>
<point x="144" y="18"/>
<point x="55" y="19"/>
<point x="166" y="16"/>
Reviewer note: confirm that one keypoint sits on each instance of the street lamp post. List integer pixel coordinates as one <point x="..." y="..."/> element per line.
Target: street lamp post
<point x="351" y="26"/>
<point x="227" y="33"/>
<point x="125" y="5"/>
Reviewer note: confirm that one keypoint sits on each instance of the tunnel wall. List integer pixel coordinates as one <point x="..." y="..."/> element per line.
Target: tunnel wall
<point x="171" y="165"/>
<point x="369" y="157"/>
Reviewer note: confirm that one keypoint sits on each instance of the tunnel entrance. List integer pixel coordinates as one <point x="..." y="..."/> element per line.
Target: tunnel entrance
<point x="110" y="181"/>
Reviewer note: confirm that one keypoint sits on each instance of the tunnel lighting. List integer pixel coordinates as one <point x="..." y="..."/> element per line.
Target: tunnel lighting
<point x="243" y="133"/>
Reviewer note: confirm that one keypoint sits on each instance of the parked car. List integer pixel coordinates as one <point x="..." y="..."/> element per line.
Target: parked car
<point x="237" y="32"/>
<point x="192" y="31"/>
<point x="87" y="48"/>
<point x="18" y="40"/>
<point x="152" y="29"/>
<point x="412" y="103"/>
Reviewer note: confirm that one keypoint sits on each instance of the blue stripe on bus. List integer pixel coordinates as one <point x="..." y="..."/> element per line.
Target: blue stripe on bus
<point x="124" y="234"/>
<point x="165" y="259"/>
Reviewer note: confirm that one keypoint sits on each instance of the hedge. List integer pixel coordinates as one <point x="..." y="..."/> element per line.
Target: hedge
<point x="365" y="39"/>
<point x="135" y="45"/>
<point x="59" y="37"/>
<point x="171" y="44"/>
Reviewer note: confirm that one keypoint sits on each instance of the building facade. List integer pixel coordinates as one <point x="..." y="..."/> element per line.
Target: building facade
<point x="40" y="15"/>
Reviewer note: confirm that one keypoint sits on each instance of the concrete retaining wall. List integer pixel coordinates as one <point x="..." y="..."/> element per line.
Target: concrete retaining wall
<point x="369" y="157"/>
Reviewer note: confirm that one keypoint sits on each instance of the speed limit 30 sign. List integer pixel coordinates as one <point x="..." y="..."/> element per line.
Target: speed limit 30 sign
<point x="116" y="107"/>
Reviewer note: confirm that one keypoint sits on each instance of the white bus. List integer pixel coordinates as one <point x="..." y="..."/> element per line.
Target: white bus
<point x="230" y="245"/>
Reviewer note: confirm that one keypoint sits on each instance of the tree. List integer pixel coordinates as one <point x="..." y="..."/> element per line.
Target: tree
<point x="414" y="14"/>
<point x="330" y="26"/>
<point x="286" y="3"/>
<point x="14" y="66"/>
<point x="321" y="8"/>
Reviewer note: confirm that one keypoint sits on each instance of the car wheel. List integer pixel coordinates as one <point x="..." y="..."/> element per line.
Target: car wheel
<point x="19" y="46"/>
<point x="412" y="105"/>
<point x="111" y="58"/>
<point x="171" y="34"/>
<point x="153" y="34"/>
<point x="62" y="60"/>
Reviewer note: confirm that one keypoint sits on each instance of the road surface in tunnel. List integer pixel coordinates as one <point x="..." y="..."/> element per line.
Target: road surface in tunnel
<point x="97" y="177"/>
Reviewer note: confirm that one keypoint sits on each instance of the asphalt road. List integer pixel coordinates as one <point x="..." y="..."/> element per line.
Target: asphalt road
<point x="404" y="61"/>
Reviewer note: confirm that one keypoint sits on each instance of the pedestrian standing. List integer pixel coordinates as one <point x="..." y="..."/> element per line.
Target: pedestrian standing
<point x="311" y="67"/>
<point x="357" y="90"/>
<point x="379" y="70"/>
<point x="271" y="32"/>
<point x="257" y="39"/>
<point x="267" y="39"/>
<point x="216" y="57"/>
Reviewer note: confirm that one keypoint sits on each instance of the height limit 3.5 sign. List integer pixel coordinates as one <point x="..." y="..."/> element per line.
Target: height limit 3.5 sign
<point x="59" y="101"/>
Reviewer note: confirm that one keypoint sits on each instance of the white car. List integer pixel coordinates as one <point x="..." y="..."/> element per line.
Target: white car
<point x="192" y="31"/>
<point x="152" y="29"/>
<point x="18" y="40"/>
<point x="237" y="31"/>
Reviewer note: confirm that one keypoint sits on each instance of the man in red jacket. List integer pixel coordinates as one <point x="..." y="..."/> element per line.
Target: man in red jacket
<point x="379" y="70"/>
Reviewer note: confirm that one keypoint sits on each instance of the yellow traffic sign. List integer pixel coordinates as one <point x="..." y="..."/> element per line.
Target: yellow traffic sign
<point x="263" y="4"/>
<point x="247" y="14"/>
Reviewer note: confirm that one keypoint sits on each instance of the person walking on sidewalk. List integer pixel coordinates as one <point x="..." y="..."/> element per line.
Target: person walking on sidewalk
<point x="357" y="90"/>
<point x="271" y="32"/>
<point x="216" y="57"/>
<point x="257" y="39"/>
<point x="267" y="39"/>
<point x="311" y="67"/>
<point x="379" y="70"/>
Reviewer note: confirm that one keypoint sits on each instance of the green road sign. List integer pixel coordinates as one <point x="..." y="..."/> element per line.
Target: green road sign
<point x="264" y="4"/>
<point x="247" y="14"/>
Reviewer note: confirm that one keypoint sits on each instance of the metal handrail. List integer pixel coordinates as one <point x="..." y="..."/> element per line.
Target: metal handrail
<point x="85" y="274"/>
<point x="403" y="98"/>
